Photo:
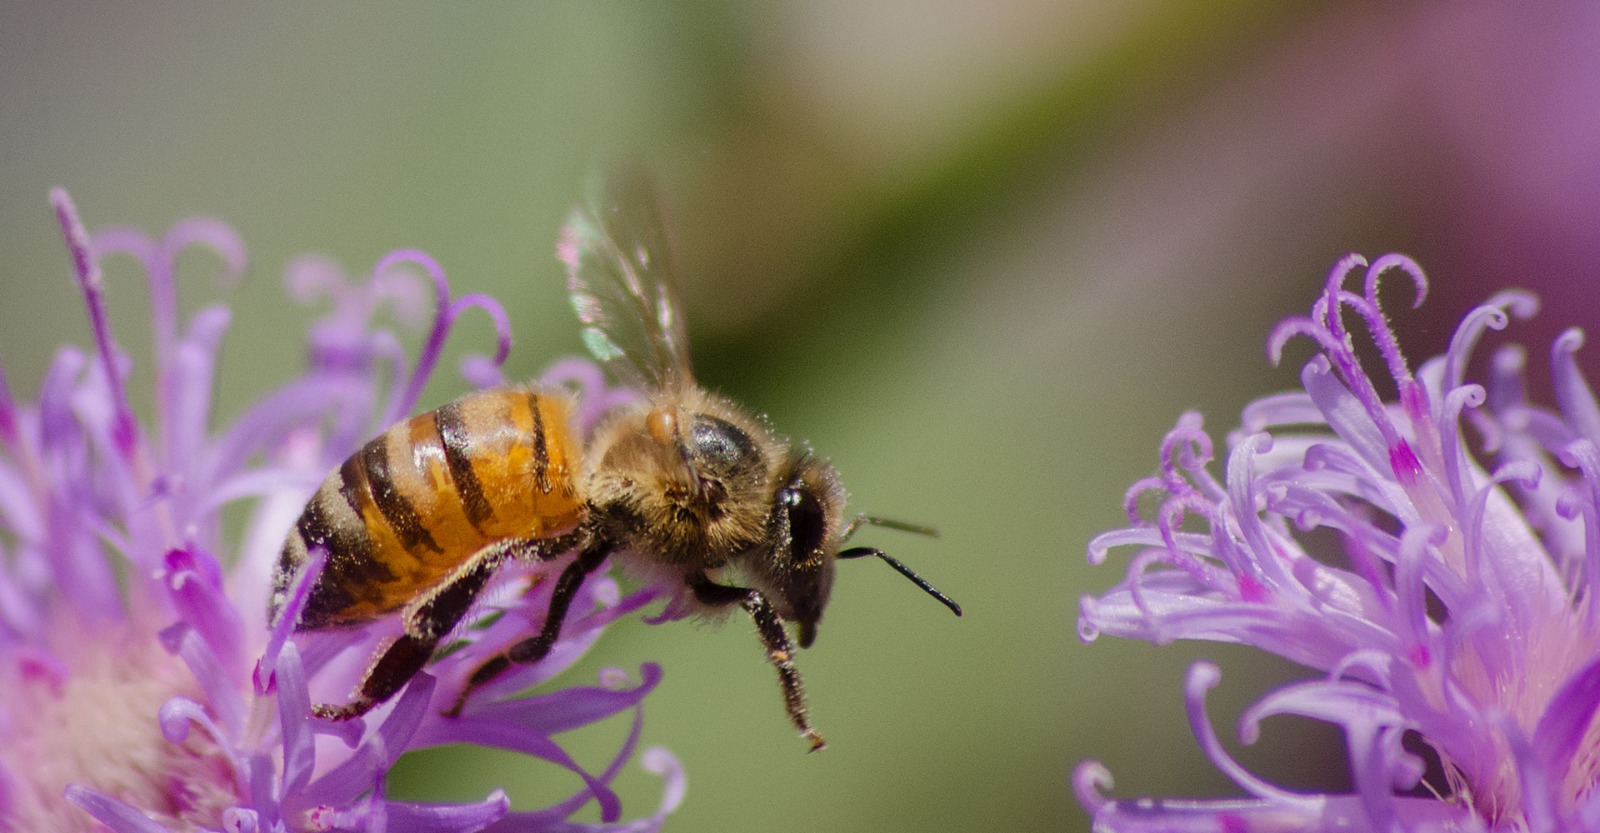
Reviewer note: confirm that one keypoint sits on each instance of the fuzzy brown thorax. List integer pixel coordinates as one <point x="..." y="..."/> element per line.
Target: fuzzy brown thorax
<point x="688" y="483"/>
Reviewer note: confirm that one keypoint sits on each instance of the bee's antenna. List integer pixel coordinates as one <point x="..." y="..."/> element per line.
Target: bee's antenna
<point x="859" y="552"/>
<point x="886" y="523"/>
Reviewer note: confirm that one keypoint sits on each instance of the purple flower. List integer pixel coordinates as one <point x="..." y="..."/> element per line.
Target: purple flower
<point x="1459" y="613"/>
<point x="140" y="686"/>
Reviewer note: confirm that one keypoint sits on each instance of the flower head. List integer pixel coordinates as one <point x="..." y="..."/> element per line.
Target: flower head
<point x="141" y="687"/>
<point x="1458" y="613"/>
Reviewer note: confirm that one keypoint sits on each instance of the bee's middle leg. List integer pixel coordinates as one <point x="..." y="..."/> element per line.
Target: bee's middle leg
<point x="535" y="648"/>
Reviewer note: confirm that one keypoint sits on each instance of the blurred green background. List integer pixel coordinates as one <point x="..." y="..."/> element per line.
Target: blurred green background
<point x="981" y="255"/>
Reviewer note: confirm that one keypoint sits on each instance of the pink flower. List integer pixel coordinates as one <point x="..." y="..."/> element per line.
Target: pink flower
<point x="140" y="686"/>
<point x="1458" y="612"/>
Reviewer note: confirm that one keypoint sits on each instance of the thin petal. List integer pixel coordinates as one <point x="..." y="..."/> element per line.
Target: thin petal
<point x="114" y="814"/>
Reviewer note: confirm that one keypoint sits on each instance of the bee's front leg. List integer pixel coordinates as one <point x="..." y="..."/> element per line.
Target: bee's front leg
<point x="780" y="652"/>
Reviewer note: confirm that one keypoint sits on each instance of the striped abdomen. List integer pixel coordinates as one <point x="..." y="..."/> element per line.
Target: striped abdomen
<point x="426" y="495"/>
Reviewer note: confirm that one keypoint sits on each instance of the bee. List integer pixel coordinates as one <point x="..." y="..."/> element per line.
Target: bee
<point x="683" y="486"/>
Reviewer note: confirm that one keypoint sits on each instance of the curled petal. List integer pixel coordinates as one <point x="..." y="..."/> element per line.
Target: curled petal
<point x="1203" y="677"/>
<point x="1440" y="580"/>
<point x="497" y="314"/>
<point x="1572" y="390"/>
<point x="1494" y="315"/>
<point x="113" y="547"/>
<point x="1400" y="263"/>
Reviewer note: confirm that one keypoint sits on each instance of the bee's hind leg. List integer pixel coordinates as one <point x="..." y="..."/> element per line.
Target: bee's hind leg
<point x="426" y="620"/>
<point x="535" y="648"/>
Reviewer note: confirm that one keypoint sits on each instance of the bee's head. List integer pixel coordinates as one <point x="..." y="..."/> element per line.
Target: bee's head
<point x="797" y="572"/>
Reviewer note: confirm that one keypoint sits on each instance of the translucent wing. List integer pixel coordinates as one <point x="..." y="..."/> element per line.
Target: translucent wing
<point x="620" y="282"/>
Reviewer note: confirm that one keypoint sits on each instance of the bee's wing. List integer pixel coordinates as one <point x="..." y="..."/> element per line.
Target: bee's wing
<point x="620" y="282"/>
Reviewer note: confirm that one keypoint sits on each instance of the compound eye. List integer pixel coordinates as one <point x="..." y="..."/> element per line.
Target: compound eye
<point x="808" y="524"/>
<point x="720" y="446"/>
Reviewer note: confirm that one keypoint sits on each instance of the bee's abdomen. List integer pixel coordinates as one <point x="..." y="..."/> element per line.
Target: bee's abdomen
<point x="423" y="497"/>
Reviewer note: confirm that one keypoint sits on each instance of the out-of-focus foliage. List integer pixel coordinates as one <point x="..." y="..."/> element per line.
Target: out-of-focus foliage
<point x="981" y="255"/>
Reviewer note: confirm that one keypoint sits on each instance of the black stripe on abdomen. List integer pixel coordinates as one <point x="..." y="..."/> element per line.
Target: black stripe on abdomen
<point x="456" y="439"/>
<point x="395" y="507"/>
<point x="351" y="574"/>
<point x="541" y="450"/>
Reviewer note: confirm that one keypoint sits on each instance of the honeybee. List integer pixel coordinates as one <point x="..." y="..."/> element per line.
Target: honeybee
<point x="684" y="486"/>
